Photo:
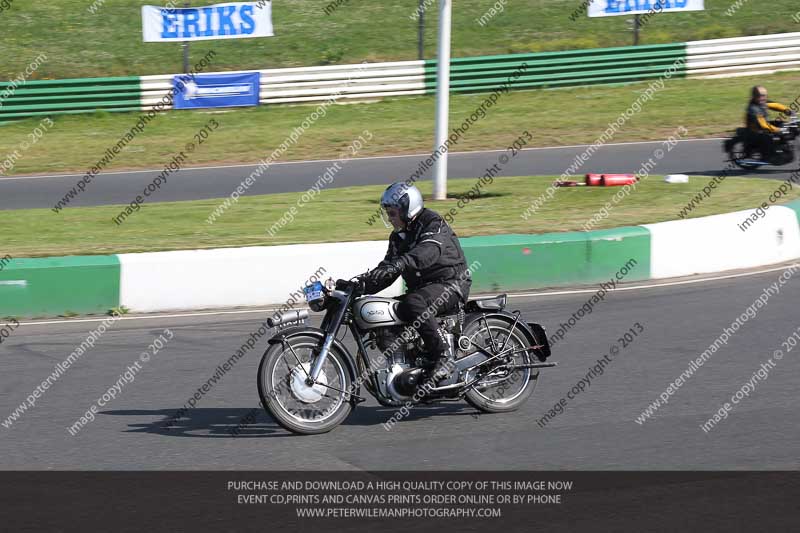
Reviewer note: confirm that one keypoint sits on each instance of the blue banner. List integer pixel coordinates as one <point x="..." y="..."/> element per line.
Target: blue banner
<point x="216" y="90"/>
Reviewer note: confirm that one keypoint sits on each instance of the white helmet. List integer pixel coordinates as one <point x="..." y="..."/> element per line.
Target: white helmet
<point x="406" y="198"/>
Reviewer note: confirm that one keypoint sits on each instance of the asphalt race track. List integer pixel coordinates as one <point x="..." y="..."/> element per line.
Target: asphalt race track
<point x="597" y="430"/>
<point x="701" y="156"/>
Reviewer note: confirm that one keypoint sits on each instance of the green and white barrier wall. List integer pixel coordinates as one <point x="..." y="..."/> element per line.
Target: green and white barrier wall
<point x="273" y="275"/>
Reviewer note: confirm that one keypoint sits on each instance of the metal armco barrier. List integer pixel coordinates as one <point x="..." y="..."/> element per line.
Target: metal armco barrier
<point x="81" y="95"/>
<point x="559" y="69"/>
<point x="743" y="56"/>
<point x="738" y="56"/>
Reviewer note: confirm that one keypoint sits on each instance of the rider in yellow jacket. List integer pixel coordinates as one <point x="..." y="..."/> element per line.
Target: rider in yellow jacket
<point x="757" y="121"/>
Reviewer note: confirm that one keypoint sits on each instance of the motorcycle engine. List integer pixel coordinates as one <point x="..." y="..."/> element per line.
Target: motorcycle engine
<point x="400" y="377"/>
<point x="397" y="349"/>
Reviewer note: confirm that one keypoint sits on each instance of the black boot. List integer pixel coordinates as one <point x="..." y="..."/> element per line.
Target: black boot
<point x="445" y="363"/>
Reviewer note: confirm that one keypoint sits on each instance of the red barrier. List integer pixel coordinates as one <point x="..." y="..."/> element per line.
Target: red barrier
<point x="593" y="179"/>
<point x="613" y="180"/>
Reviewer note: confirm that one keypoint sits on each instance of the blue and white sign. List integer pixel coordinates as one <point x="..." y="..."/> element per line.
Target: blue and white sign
<point x="235" y="20"/>
<point x="612" y="8"/>
<point x="216" y="90"/>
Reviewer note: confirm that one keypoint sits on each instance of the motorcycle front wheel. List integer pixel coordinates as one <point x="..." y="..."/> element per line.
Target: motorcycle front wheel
<point x="286" y="395"/>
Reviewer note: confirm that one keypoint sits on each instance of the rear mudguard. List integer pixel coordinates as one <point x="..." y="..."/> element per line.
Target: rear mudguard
<point x="296" y="331"/>
<point x="535" y="333"/>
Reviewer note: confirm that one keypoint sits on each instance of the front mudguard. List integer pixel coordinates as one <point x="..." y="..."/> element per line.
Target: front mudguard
<point x="534" y="333"/>
<point x="295" y="331"/>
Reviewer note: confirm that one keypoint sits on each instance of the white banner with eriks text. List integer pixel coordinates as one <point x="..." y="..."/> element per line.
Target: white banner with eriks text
<point x="234" y="20"/>
<point x="613" y="8"/>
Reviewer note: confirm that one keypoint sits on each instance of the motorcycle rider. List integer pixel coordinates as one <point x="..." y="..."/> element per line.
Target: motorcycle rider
<point x="756" y="121"/>
<point x="425" y="251"/>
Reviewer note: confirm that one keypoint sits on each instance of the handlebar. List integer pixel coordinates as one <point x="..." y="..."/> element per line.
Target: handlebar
<point x="357" y="284"/>
<point x="361" y="284"/>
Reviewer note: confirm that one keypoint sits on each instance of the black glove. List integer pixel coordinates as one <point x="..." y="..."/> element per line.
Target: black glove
<point x="386" y="271"/>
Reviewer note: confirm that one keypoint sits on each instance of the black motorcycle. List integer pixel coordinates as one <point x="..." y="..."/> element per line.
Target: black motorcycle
<point x="745" y="154"/>
<point x="310" y="382"/>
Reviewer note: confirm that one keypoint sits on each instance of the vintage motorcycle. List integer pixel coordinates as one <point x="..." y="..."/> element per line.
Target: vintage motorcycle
<point x="310" y="382"/>
<point x="744" y="155"/>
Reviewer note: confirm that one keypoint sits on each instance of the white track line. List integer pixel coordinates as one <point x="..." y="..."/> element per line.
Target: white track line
<point x="145" y="317"/>
<point x="657" y="285"/>
<point x="310" y="161"/>
<point x="516" y="295"/>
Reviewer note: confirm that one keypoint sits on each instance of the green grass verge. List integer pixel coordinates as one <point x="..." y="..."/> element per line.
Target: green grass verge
<point x="109" y="43"/>
<point x="341" y="215"/>
<point x="399" y="126"/>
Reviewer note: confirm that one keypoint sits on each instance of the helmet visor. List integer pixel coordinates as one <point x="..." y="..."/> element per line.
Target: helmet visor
<point x="391" y="217"/>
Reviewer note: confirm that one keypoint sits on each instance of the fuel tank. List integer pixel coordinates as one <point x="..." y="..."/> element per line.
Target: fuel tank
<point x="376" y="312"/>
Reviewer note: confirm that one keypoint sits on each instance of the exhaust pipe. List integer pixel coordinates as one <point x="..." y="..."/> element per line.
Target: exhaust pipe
<point x="287" y="318"/>
<point x="536" y="365"/>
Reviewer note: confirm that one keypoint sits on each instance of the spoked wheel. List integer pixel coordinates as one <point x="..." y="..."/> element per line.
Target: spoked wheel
<point x="740" y="155"/>
<point x="502" y="390"/>
<point x="287" y="395"/>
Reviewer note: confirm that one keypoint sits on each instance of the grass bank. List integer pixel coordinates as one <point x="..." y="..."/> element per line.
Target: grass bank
<point x="108" y="41"/>
<point x="342" y="214"/>
<point x="399" y="126"/>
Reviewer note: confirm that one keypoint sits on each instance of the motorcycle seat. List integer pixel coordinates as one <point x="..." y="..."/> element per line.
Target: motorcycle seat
<point x="492" y="303"/>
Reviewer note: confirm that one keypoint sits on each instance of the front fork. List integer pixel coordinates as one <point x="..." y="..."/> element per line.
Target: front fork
<point x="320" y="360"/>
<point x="331" y="328"/>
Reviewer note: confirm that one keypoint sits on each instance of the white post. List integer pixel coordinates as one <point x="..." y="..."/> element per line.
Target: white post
<point x="442" y="97"/>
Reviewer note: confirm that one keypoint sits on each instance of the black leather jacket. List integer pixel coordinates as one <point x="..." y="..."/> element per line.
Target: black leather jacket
<point x="430" y="253"/>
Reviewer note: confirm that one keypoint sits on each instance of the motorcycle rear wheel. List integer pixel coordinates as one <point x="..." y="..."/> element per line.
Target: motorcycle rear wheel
<point x="284" y="393"/>
<point x="503" y="391"/>
<point x="739" y="152"/>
